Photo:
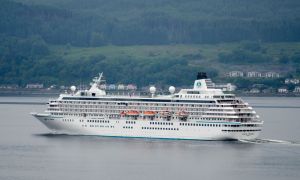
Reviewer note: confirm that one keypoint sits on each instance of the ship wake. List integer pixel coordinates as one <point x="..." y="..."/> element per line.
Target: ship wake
<point x="270" y="141"/>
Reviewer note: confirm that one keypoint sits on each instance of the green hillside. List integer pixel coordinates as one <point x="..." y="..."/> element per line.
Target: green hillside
<point x="159" y="64"/>
<point x="141" y="41"/>
<point x="136" y="22"/>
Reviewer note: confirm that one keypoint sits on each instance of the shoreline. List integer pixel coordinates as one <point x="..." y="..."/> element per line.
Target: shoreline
<point x="49" y="93"/>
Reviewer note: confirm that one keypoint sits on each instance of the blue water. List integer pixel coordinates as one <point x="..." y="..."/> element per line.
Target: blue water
<point x="29" y="152"/>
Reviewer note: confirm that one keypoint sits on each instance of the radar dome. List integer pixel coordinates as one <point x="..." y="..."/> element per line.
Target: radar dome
<point x="152" y="89"/>
<point x="172" y="89"/>
<point x="73" y="88"/>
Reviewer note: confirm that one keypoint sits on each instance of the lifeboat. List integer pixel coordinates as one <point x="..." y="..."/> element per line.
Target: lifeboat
<point x="166" y="114"/>
<point x="132" y="113"/>
<point x="123" y="113"/>
<point x="182" y="115"/>
<point x="149" y="113"/>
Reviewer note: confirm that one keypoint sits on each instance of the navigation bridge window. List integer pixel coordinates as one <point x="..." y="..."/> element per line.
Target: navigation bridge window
<point x="193" y="92"/>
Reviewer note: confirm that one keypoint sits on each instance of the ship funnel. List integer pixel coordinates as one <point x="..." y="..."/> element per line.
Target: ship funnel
<point x="201" y="75"/>
<point x="200" y="83"/>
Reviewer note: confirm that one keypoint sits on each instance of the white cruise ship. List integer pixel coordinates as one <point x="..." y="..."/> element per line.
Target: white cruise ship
<point x="201" y="113"/>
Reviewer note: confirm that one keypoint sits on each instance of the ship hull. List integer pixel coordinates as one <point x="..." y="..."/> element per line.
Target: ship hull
<point x="149" y="129"/>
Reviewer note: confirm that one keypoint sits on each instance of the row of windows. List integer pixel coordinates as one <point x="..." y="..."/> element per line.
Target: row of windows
<point x="86" y="103"/>
<point x="162" y="123"/>
<point x="143" y="106"/>
<point x="225" y="114"/>
<point x="77" y="103"/>
<point x="195" y="124"/>
<point x="231" y="125"/>
<point x="130" y="122"/>
<point x="98" y="121"/>
<point x="127" y="127"/>
<point x="248" y="130"/>
<point x="68" y="120"/>
<point x="159" y="128"/>
<point x="101" y="126"/>
<point x="216" y="125"/>
<point x="251" y="125"/>
<point x="132" y="100"/>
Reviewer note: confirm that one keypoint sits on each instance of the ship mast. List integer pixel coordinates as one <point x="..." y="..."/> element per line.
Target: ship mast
<point x="97" y="80"/>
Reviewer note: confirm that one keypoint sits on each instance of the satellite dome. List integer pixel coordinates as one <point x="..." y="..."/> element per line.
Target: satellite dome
<point x="172" y="89"/>
<point x="73" y="88"/>
<point x="152" y="89"/>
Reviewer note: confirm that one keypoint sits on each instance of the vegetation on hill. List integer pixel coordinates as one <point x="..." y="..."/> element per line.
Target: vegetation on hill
<point x="133" y="22"/>
<point x="143" y="42"/>
<point x="31" y="60"/>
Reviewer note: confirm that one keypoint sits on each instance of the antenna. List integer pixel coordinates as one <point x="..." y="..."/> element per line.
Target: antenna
<point x="99" y="79"/>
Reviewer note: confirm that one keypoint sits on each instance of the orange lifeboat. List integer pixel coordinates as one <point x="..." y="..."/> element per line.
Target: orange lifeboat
<point x="149" y="113"/>
<point x="123" y="113"/>
<point x="132" y="113"/>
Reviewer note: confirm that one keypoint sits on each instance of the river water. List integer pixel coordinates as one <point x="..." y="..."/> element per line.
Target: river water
<point x="28" y="151"/>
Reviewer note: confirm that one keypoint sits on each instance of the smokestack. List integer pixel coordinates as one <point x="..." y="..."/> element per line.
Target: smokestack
<point x="201" y="75"/>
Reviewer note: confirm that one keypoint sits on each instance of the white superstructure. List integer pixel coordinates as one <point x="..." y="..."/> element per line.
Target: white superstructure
<point x="201" y="113"/>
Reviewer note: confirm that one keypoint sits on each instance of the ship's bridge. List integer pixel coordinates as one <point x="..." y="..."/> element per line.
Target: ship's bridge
<point x="203" y="88"/>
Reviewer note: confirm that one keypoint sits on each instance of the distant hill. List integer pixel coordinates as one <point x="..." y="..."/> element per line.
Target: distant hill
<point x="145" y="41"/>
<point x="129" y="22"/>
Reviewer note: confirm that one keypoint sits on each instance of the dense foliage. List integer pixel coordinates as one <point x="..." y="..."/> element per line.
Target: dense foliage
<point x="98" y="22"/>
<point x="29" y="29"/>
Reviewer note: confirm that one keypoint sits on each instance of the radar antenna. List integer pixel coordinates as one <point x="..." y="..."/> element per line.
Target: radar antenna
<point x="98" y="80"/>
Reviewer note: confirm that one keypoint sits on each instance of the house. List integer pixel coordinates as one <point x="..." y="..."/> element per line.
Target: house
<point x="271" y="75"/>
<point x="53" y="86"/>
<point x="225" y="87"/>
<point x="254" y="74"/>
<point x="297" y="89"/>
<point x="11" y="86"/>
<point x="111" y="87"/>
<point x="254" y="91"/>
<point x="236" y="74"/>
<point x="269" y="90"/>
<point x="291" y="81"/>
<point x="259" y="86"/>
<point x="35" y="86"/>
<point x="63" y="87"/>
<point x="283" y="90"/>
<point x="131" y="87"/>
<point x="121" y="87"/>
<point x="103" y="86"/>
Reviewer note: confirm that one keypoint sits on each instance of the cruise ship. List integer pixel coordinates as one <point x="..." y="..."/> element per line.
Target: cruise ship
<point x="200" y="113"/>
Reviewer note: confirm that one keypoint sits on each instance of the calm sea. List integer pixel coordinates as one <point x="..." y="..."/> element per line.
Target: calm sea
<point x="29" y="152"/>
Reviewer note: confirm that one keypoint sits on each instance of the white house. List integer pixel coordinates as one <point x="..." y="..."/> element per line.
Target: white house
<point x="283" y="90"/>
<point x="112" y="87"/>
<point x="225" y="87"/>
<point x="254" y="74"/>
<point x="271" y="75"/>
<point x="254" y="91"/>
<point x="35" y="86"/>
<point x="236" y="74"/>
<point x="121" y="87"/>
<point x="291" y="81"/>
<point x="103" y="86"/>
<point x="297" y="89"/>
<point x="131" y="87"/>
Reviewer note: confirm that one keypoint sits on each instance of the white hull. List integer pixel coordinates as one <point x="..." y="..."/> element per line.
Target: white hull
<point x="201" y="113"/>
<point x="147" y="128"/>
